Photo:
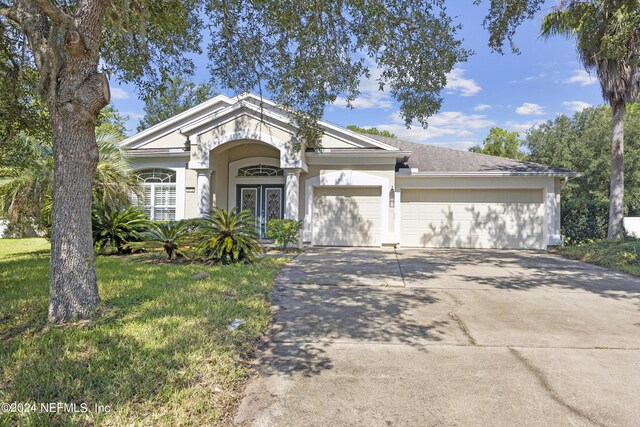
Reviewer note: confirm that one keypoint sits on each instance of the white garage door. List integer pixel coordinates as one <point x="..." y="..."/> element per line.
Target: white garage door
<point x="346" y="216"/>
<point x="472" y="218"/>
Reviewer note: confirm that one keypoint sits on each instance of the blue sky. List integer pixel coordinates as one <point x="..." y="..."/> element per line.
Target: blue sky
<point x="510" y="91"/>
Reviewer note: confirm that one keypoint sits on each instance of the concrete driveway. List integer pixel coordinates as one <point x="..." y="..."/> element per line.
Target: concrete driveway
<point x="371" y="337"/>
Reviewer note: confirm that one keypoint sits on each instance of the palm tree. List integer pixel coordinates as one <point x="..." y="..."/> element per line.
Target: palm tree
<point x="25" y="191"/>
<point x="114" y="181"/>
<point x="607" y="38"/>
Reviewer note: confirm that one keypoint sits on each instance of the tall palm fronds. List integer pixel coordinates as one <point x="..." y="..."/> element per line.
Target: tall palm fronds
<point x="113" y="182"/>
<point x="25" y="191"/>
<point x="607" y="36"/>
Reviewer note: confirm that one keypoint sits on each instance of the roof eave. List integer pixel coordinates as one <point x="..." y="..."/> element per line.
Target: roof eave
<point x="491" y="173"/>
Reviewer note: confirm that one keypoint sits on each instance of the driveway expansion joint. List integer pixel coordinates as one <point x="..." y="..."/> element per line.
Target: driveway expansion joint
<point x="395" y="251"/>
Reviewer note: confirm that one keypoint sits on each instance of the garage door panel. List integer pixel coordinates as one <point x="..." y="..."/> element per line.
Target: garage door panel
<point x="427" y="221"/>
<point x="471" y="228"/>
<point x="346" y="216"/>
<point x="466" y="196"/>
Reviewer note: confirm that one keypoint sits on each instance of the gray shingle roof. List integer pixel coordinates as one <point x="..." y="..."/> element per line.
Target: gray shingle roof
<point x="431" y="158"/>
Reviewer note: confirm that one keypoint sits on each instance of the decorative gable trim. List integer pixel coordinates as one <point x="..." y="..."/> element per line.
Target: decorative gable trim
<point x="210" y="114"/>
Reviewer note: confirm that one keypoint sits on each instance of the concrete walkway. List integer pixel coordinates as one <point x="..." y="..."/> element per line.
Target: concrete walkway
<point x="368" y="337"/>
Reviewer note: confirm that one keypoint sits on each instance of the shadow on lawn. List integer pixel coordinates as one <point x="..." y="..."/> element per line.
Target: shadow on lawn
<point x="161" y="339"/>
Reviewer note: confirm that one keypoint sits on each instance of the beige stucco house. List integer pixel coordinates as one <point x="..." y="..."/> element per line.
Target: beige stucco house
<point x="359" y="190"/>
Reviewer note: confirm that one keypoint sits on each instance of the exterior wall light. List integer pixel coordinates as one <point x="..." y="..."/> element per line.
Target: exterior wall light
<point x="392" y="198"/>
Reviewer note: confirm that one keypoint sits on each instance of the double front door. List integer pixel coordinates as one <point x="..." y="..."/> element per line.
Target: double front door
<point x="265" y="202"/>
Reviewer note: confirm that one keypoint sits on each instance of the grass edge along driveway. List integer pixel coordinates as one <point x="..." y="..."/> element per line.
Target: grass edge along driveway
<point x="159" y="351"/>
<point x="621" y="255"/>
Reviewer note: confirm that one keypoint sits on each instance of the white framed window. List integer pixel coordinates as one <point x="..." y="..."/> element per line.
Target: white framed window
<point x="158" y="194"/>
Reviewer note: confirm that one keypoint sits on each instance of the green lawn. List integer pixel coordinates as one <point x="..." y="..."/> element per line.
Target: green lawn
<point x="12" y="247"/>
<point x="623" y="256"/>
<point x="159" y="352"/>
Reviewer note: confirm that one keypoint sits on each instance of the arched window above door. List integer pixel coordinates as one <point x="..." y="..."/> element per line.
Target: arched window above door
<point x="260" y="170"/>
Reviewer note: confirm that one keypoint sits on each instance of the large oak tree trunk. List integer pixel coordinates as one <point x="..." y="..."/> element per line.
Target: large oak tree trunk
<point x="66" y="50"/>
<point x="616" y="193"/>
<point x="81" y="92"/>
<point x="73" y="281"/>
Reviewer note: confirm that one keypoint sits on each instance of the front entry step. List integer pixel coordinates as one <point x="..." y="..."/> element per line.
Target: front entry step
<point x="267" y="243"/>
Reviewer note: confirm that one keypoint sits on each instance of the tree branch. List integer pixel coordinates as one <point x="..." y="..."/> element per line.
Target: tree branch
<point x="54" y="13"/>
<point x="8" y="12"/>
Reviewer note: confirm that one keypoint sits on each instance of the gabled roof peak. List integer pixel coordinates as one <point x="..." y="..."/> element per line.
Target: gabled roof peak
<point x="194" y="121"/>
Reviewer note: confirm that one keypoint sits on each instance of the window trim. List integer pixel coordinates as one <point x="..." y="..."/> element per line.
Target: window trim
<point x="161" y="178"/>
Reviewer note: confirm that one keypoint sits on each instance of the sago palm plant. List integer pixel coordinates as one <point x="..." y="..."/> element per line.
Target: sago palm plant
<point x="117" y="227"/>
<point x="229" y="236"/>
<point x="166" y="235"/>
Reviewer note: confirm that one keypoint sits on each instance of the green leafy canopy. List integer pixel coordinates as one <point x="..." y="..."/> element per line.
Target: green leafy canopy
<point x="501" y="143"/>
<point x="371" y="131"/>
<point x="172" y="97"/>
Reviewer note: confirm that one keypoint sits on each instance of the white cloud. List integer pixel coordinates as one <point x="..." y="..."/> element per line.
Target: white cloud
<point x="456" y="119"/>
<point x="581" y="77"/>
<point x="482" y="107"/>
<point x="576" y="106"/>
<point x="528" y="109"/>
<point x="448" y="123"/>
<point x="522" y="127"/>
<point x="118" y="93"/>
<point x="457" y="83"/>
<point x="367" y="101"/>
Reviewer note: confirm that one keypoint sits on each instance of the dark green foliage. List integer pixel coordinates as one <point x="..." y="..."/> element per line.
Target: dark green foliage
<point x="116" y="227"/>
<point x="501" y="143"/>
<point x="172" y="97"/>
<point x="284" y="231"/>
<point x="305" y="53"/>
<point x="582" y="143"/>
<point x="623" y="255"/>
<point x="22" y="115"/>
<point x="228" y="236"/>
<point x="584" y="219"/>
<point x="504" y="18"/>
<point x="371" y="131"/>
<point x="145" y="42"/>
<point x="167" y="235"/>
